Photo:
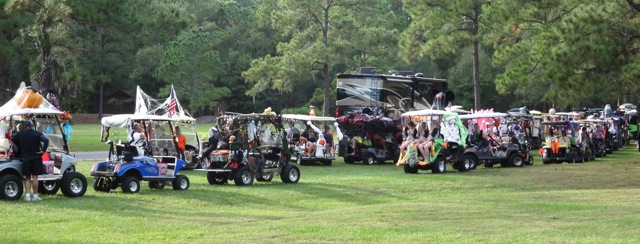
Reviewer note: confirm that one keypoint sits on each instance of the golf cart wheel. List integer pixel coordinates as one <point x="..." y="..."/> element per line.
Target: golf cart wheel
<point x="299" y="159"/>
<point x="462" y="166"/>
<point x="243" y="176"/>
<point x="264" y="177"/>
<point x="473" y="162"/>
<point x="290" y="174"/>
<point x="516" y="160"/>
<point x="369" y="159"/>
<point x="530" y="161"/>
<point x="11" y="187"/>
<point x="73" y="184"/>
<point x="156" y="184"/>
<point x="348" y="160"/>
<point x="216" y="178"/>
<point x="327" y="162"/>
<point x="98" y="187"/>
<point x="410" y="170"/>
<point x="70" y="169"/>
<point x="202" y="164"/>
<point x="48" y="187"/>
<point x="438" y="165"/>
<point x="130" y="184"/>
<point x="181" y="182"/>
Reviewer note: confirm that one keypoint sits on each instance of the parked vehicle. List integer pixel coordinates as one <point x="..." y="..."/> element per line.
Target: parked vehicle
<point x="171" y="108"/>
<point x="489" y="148"/>
<point x="369" y="136"/>
<point x="560" y="143"/>
<point x="448" y="145"/>
<point x="128" y="163"/>
<point x="251" y="147"/>
<point x="300" y="152"/>
<point x="60" y="171"/>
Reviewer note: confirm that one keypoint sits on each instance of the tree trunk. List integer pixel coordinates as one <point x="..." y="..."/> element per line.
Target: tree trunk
<point x="45" y="76"/>
<point x="476" y="76"/>
<point x="326" y="82"/>
<point x="5" y="75"/>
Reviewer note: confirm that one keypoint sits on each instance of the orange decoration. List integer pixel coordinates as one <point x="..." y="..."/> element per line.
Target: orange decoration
<point x="29" y="99"/>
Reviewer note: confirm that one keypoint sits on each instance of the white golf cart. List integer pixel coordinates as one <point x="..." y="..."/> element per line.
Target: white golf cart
<point x="300" y="152"/>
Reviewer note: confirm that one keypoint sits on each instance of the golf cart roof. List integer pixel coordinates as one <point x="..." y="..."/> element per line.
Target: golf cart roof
<point x="591" y="121"/>
<point x="307" y="117"/>
<point x="427" y="112"/>
<point x="122" y="120"/>
<point x="17" y="105"/>
<point x="519" y="114"/>
<point x="480" y="116"/>
<point x="535" y="112"/>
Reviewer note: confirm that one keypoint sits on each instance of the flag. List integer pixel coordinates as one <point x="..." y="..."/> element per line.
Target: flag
<point x="173" y="102"/>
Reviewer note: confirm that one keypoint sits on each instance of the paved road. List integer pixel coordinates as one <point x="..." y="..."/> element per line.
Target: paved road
<point x="92" y="155"/>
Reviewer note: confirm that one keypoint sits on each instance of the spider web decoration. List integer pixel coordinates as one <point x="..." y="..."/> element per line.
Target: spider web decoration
<point x="169" y="107"/>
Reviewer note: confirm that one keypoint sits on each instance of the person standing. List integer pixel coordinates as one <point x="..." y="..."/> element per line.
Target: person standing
<point x="181" y="141"/>
<point x="31" y="146"/>
<point x="312" y="111"/>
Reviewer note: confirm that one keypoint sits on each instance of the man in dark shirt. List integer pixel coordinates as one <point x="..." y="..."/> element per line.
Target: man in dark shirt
<point x="31" y="145"/>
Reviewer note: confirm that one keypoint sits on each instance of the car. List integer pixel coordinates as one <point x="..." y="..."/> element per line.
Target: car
<point x="510" y="150"/>
<point x="299" y="152"/>
<point x="126" y="167"/>
<point x="448" y="147"/>
<point x="252" y="147"/>
<point x="60" y="169"/>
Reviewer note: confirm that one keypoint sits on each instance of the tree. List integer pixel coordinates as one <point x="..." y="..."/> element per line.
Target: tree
<point x="579" y="52"/>
<point x="441" y="27"/>
<point x="318" y="36"/>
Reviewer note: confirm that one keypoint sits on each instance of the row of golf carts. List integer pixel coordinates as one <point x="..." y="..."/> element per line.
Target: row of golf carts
<point x="454" y="144"/>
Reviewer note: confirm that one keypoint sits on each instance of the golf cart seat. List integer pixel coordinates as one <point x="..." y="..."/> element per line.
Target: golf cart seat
<point x="294" y="139"/>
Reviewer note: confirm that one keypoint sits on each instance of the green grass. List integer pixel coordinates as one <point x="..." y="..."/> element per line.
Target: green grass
<point x="594" y="202"/>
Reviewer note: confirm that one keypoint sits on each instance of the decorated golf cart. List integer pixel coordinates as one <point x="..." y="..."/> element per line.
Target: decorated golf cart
<point x="448" y="143"/>
<point x="59" y="164"/>
<point x="321" y="149"/>
<point x="171" y="108"/>
<point x="497" y="138"/>
<point x="368" y="136"/>
<point x="250" y="146"/>
<point x="561" y="144"/>
<point x="133" y="140"/>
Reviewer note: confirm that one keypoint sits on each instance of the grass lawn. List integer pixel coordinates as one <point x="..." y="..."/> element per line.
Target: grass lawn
<point x="594" y="202"/>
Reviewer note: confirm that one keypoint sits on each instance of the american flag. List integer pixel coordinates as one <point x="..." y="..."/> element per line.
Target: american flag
<point x="172" y="104"/>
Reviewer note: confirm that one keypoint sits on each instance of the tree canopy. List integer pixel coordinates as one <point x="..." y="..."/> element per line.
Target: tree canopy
<point x="246" y="55"/>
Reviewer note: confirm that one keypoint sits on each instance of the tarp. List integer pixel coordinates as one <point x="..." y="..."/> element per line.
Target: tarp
<point x="124" y="120"/>
<point x="20" y="104"/>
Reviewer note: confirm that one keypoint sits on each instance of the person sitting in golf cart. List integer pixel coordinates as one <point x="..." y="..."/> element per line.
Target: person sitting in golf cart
<point x="409" y="133"/>
<point x="310" y="137"/>
<point x="432" y="135"/>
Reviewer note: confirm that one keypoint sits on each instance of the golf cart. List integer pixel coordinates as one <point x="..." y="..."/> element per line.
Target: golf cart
<point x="448" y="146"/>
<point x="171" y="108"/>
<point x="298" y="148"/>
<point x="129" y="162"/>
<point x="60" y="169"/>
<point x="560" y="143"/>
<point x="251" y="146"/>
<point x="369" y="137"/>
<point x="508" y="148"/>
